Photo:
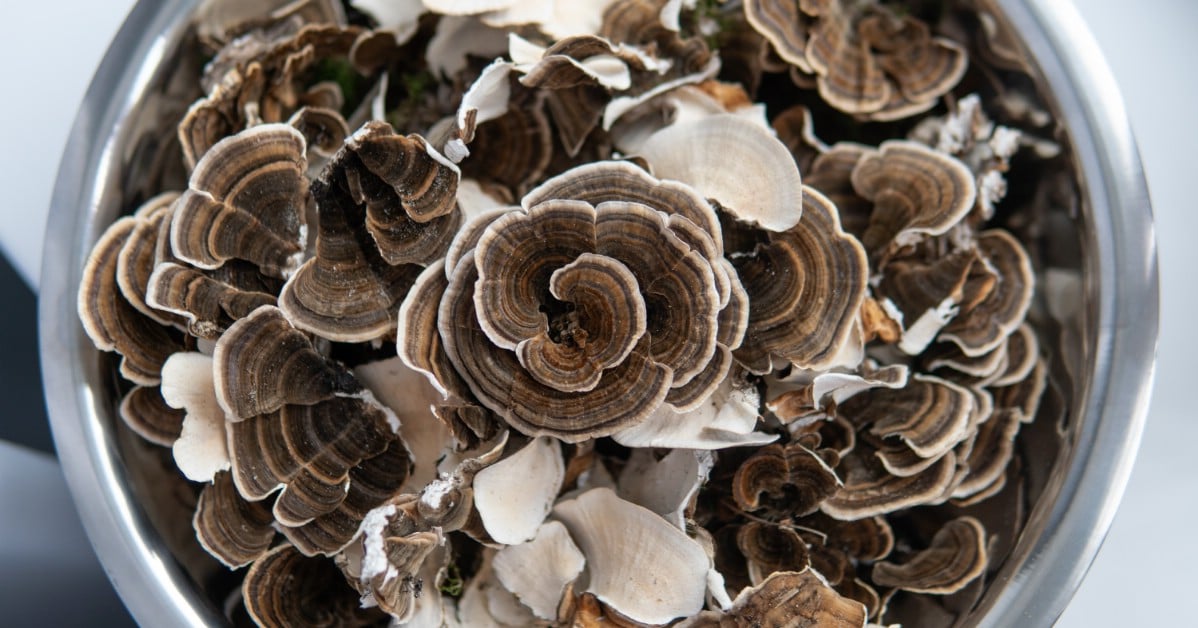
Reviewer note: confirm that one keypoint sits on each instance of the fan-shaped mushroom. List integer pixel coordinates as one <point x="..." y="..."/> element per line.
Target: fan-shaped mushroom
<point x="783" y="481"/>
<point x="542" y="570"/>
<point x="187" y="384"/>
<point x="145" y="412"/>
<point x="285" y="588"/>
<point x="984" y="326"/>
<point x="789" y="598"/>
<point x="956" y="556"/>
<point x="246" y="200"/>
<point x="805" y="288"/>
<point x="234" y="531"/>
<point x="514" y="495"/>
<point x="870" y="490"/>
<point x="263" y="363"/>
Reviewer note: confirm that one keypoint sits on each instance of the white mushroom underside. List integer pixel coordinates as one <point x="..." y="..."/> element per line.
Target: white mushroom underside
<point x="514" y="495"/>
<point x="733" y="160"/>
<point x="639" y="564"/>
<point x="187" y="384"/>
<point x="725" y="419"/>
<point x="539" y="571"/>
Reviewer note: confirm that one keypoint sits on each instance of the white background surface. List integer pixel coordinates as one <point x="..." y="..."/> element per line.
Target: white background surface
<point x="1144" y="570"/>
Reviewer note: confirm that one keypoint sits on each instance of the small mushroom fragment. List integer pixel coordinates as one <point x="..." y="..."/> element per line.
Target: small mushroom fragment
<point x="308" y="452"/>
<point x="285" y="588"/>
<point x="514" y="495"/>
<point x="929" y="295"/>
<point x="981" y="328"/>
<point x="956" y="556"/>
<point x="542" y="570"/>
<point x="263" y="363"/>
<point x="145" y="412"/>
<point x="636" y="562"/>
<point x="111" y="321"/>
<point x="800" y="599"/>
<point x="771" y="548"/>
<point x="246" y="200"/>
<point x="783" y="481"/>
<point x="667" y="486"/>
<point x="234" y="531"/>
<point x="916" y="192"/>
<point x="187" y="384"/>
<point x="869" y="539"/>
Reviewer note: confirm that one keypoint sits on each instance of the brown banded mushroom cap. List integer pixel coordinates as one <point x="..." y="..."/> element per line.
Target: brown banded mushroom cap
<point x="417" y="339"/>
<point x="207" y="305"/>
<point x="112" y="323"/>
<point x="805" y="289"/>
<point x="234" y="531"/>
<point x="922" y="67"/>
<point x="784" y="25"/>
<point x="930" y="415"/>
<point x="324" y="129"/>
<point x="1022" y="350"/>
<point x="347" y="292"/>
<point x="138" y="255"/>
<point x="734" y="161"/>
<point x="916" y="192"/>
<point x="513" y="496"/>
<point x="146" y="413"/>
<point x="373" y="482"/>
<point x="540" y="571"/>
<point x="991" y="452"/>
<point x="869" y="490"/>
<point x="771" y="548"/>
<point x="869" y="539"/>
<point x="783" y="481"/>
<point x="286" y="588"/>
<point x="789" y="598"/>
<point x="308" y="452"/>
<point x="982" y="328"/>
<point x="246" y="200"/>
<point x="263" y="363"/>
<point x="636" y="562"/>
<point x="956" y="556"/>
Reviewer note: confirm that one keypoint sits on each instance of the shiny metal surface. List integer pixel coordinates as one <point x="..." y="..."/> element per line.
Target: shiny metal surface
<point x="1111" y="364"/>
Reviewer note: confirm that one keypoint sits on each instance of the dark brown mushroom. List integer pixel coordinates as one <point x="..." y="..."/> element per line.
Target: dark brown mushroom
<point x="234" y="531"/>
<point x="147" y="414"/>
<point x="981" y="328"/>
<point x="347" y="292"/>
<point x="286" y="588"/>
<point x="805" y="289"/>
<point x="246" y="200"/>
<point x="956" y="556"/>
<point x="263" y="363"/>
<point x="138" y="255"/>
<point x="112" y="323"/>
<point x="308" y="452"/>
<point x="869" y="490"/>
<point x="930" y="415"/>
<point x="770" y="548"/>
<point x="779" y="481"/>
<point x="372" y="483"/>
<point x="787" y="598"/>
<point x="206" y="305"/>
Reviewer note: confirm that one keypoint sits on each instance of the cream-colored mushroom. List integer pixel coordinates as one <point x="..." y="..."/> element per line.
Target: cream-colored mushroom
<point x="514" y="495"/>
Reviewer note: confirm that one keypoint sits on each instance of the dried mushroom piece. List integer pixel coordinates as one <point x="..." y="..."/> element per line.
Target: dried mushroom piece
<point x="263" y="363"/>
<point x="870" y="490"/>
<point x="513" y="496"/>
<point x="207" y="305"/>
<point x="246" y="200"/>
<point x="308" y="452"/>
<point x="139" y="252"/>
<point x="956" y="556"/>
<point x="541" y="571"/>
<point x="347" y="291"/>
<point x="787" y="598"/>
<point x="286" y="588"/>
<point x="916" y="192"/>
<point x="779" y="482"/>
<point x="636" y="562"/>
<point x="984" y="326"/>
<point x="145" y="412"/>
<point x="234" y="531"/>
<point x="805" y="288"/>
<point x="187" y="384"/>
<point x="111" y="321"/>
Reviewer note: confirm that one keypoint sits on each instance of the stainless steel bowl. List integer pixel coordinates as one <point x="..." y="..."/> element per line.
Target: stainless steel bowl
<point x="1103" y="362"/>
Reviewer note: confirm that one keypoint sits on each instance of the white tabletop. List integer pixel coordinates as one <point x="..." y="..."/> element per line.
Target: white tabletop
<point x="1145" y="566"/>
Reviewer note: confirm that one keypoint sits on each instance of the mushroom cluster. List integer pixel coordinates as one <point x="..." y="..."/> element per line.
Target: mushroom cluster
<point x="508" y="313"/>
